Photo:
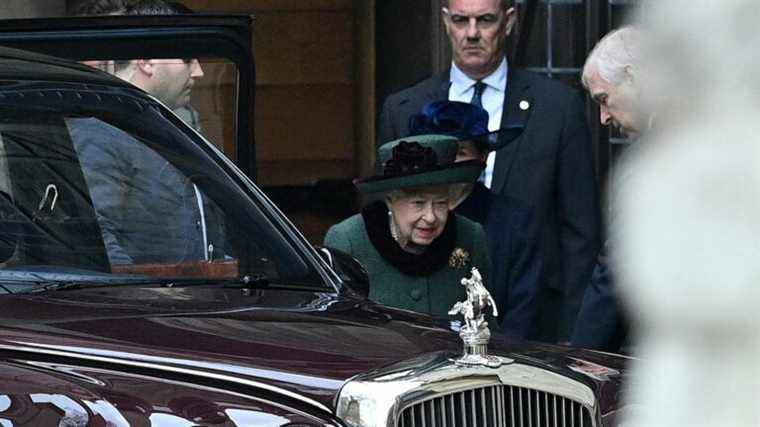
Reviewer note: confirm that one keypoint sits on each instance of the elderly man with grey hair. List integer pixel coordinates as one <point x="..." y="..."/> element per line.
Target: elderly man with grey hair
<point x="612" y="77"/>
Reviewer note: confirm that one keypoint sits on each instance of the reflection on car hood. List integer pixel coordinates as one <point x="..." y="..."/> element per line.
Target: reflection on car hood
<point x="44" y="393"/>
<point x="296" y="343"/>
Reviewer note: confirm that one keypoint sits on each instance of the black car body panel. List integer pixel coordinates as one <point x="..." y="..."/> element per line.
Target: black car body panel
<point x="307" y="343"/>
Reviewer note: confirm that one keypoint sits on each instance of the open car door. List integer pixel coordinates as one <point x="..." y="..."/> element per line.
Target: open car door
<point x="221" y="103"/>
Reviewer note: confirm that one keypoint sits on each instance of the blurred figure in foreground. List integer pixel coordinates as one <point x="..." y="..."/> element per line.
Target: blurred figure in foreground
<point x="690" y="220"/>
<point x="612" y="76"/>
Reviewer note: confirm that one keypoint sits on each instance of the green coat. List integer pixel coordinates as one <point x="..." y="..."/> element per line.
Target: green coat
<point x="435" y="293"/>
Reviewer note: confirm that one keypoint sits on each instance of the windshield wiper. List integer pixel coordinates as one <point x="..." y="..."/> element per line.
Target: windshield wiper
<point x="60" y="285"/>
<point x="244" y="282"/>
<point x="249" y="281"/>
<point x="49" y="278"/>
<point x="54" y="286"/>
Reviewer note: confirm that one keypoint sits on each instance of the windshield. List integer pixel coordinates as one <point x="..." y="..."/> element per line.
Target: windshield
<point x="98" y="185"/>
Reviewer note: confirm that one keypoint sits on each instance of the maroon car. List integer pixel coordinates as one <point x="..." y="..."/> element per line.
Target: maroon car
<point x="146" y="281"/>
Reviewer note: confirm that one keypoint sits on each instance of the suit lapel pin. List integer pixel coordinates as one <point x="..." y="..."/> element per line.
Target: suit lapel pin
<point x="524" y="105"/>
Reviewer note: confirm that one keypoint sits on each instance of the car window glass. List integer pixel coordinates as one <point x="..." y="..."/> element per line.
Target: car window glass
<point x="102" y="184"/>
<point x="201" y="91"/>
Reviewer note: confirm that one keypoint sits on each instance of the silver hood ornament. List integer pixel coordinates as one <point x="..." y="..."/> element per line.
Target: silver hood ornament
<point x="475" y="332"/>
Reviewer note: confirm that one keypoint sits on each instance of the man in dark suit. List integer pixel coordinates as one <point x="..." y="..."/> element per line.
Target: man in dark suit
<point x="612" y="77"/>
<point x="515" y="259"/>
<point x="549" y="168"/>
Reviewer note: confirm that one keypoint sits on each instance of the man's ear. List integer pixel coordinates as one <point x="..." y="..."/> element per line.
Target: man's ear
<point x="510" y="21"/>
<point x="145" y="66"/>
<point x="444" y="14"/>
<point x="630" y="74"/>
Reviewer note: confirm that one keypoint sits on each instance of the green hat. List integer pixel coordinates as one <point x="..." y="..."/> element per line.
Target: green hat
<point x="420" y="161"/>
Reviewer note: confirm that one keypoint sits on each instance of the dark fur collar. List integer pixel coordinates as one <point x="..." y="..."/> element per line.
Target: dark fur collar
<point x="434" y="258"/>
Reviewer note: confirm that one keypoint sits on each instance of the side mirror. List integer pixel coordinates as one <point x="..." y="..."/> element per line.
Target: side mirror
<point x="350" y="270"/>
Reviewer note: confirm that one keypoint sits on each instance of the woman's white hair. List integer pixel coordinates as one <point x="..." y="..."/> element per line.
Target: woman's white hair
<point x="454" y="192"/>
<point x="617" y="50"/>
<point x="412" y="191"/>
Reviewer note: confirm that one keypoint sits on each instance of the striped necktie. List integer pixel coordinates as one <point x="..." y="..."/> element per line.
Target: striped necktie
<point x="477" y="96"/>
<point x="477" y="99"/>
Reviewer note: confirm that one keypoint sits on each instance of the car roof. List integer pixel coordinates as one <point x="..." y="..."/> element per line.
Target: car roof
<point x="18" y="64"/>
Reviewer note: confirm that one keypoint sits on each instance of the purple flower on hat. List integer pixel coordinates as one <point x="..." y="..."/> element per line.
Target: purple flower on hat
<point x="409" y="157"/>
<point x="458" y="119"/>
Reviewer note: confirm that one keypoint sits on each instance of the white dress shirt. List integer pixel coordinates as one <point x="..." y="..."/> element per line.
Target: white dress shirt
<point x="462" y="88"/>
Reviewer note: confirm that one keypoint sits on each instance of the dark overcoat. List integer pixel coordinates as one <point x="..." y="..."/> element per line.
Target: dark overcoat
<point x="515" y="259"/>
<point x="435" y="293"/>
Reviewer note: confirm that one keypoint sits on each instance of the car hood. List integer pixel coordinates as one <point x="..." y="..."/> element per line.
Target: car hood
<point x="296" y="344"/>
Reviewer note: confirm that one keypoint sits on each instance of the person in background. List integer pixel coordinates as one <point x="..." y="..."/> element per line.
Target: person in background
<point x="171" y="80"/>
<point x="515" y="261"/>
<point x="549" y="169"/>
<point x="415" y="249"/>
<point x="172" y="219"/>
<point x="612" y="76"/>
<point x="186" y="112"/>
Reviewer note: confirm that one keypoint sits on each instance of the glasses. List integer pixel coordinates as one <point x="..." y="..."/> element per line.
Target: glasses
<point x="483" y="22"/>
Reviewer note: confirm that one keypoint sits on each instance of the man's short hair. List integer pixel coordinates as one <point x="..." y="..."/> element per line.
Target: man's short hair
<point x="150" y="7"/>
<point x="156" y="7"/>
<point x="617" y="50"/>
<point x="505" y="4"/>
<point x="129" y="7"/>
<point x="98" y="7"/>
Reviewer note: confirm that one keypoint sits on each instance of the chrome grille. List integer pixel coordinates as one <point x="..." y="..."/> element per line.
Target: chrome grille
<point x="496" y="406"/>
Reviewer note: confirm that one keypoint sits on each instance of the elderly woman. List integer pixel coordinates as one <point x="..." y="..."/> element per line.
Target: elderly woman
<point x="415" y="249"/>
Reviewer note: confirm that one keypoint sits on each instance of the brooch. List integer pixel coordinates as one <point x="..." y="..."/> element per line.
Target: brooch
<point x="459" y="258"/>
